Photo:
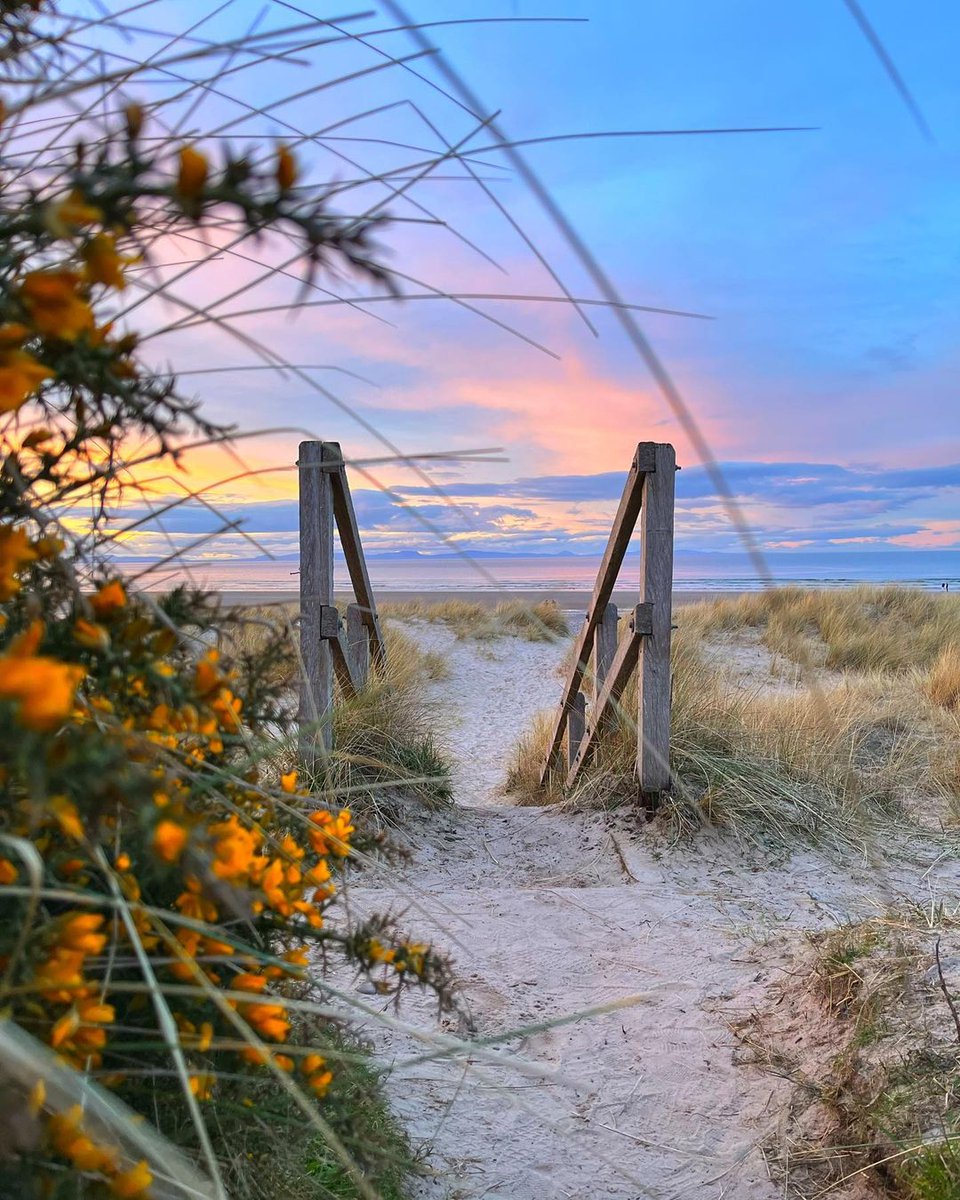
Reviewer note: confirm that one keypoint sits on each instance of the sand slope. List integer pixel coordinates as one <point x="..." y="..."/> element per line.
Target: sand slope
<point x="548" y="914"/>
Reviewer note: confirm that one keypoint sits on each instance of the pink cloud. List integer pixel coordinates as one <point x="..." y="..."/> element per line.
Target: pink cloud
<point x="936" y="535"/>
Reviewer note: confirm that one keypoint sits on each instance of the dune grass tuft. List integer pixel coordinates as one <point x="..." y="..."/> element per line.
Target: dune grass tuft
<point x="943" y="680"/>
<point x="384" y="749"/>
<point x="866" y="1033"/>
<point x="384" y="736"/>
<point x="542" y="622"/>
<point x="851" y="629"/>
<point x="785" y="765"/>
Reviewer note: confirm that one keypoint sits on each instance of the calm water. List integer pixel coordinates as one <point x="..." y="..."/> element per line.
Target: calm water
<point x="528" y="574"/>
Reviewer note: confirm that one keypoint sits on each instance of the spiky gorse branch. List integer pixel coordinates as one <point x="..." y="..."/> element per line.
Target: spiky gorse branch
<point x="167" y="903"/>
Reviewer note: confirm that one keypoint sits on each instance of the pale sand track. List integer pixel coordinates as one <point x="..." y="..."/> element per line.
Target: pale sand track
<point x="549" y="913"/>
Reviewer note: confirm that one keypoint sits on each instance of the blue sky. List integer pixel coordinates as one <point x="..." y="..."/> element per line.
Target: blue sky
<point x="825" y="381"/>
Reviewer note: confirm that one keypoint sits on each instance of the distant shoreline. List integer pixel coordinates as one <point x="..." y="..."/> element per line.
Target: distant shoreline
<point x="570" y="600"/>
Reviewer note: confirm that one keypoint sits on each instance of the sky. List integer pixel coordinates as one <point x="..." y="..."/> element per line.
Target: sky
<point x="817" y="266"/>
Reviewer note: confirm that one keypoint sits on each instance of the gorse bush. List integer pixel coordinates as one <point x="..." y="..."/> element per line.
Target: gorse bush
<point x="168" y="906"/>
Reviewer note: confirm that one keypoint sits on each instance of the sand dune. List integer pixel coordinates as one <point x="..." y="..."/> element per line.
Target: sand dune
<point x="551" y="913"/>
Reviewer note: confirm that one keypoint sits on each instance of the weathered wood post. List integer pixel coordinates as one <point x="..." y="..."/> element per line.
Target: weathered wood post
<point x="358" y="643"/>
<point x="316" y="600"/>
<point x="656" y="588"/>
<point x="604" y="652"/>
<point x="576" y="727"/>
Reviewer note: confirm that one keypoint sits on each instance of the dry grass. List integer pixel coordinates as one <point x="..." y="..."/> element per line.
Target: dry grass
<point x="783" y="765"/>
<point x="253" y="630"/>
<point x="384" y="749"/>
<point x="384" y="736"/>
<point x="482" y="622"/>
<point x="863" y="1028"/>
<point x="852" y="629"/>
<point x="943" y="680"/>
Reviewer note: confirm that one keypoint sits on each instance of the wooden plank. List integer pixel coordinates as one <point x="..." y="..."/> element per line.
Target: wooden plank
<point x="644" y="462"/>
<point x="656" y="586"/>
<point x="606" y="648"/>
<point x="358" y="643"/>
<point x="622" y="667"/>
<point x="316" y="593"/>
<point x="346" y="676"/>
<point x="353" y="553"/>
<point x="576" y="723"/>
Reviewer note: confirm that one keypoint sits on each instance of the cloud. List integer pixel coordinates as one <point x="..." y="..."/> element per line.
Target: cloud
<point x="795" y="484"/>
<point x="789" y="505"/>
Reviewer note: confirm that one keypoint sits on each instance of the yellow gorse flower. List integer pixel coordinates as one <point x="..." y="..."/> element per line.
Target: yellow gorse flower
<point x="286" y="168"/>
<point x="133" y="1183"/>
<point x="69" y="1140"/>
<point x="193" y="171"/>
<point x="92" y="636"/>
<point x="16" y="552"/>
<point x="54" y="304"/>
<point x="103" y="263"/>
<point x="43" y="689"/>
<point x="67" y="216"/>
<point x="20" y="376"/>
<point x="169" y="839"/>
<point x="109" y="599"/>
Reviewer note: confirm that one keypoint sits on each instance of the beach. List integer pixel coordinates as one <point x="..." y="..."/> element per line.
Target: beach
<point x="668" y="948"/>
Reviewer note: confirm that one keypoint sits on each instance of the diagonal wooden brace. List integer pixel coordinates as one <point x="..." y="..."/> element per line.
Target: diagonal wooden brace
<point x="623" y="665"/>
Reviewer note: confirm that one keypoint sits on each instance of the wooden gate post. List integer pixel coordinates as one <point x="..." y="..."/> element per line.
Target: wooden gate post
<point x="358" y="643"/>
<point x="605" y="649"/>
<point x="656" y="586"/>
<point x="316" y="600"/>
<point x="576" y="727"/>
<point x="648" y="494"/>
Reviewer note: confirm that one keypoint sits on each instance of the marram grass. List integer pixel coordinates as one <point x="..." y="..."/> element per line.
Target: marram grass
<point x="821" y="763"/>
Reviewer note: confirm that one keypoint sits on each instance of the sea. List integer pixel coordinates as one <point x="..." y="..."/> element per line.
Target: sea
<point x="574" y="573"/>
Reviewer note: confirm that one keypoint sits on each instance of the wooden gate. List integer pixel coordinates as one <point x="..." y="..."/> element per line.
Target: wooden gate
<point x="649" y="495"/>
<point x="329" y="647"/>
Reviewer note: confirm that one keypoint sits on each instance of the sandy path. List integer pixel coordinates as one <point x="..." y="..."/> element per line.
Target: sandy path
<point x="548" y="914"/>
<point x="493" y="689"/>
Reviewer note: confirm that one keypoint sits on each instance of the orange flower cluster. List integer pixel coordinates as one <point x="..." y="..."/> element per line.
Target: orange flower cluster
<point x="282" y="884"/>
<point x="314" y="1067"/>
<point x="286" y="168"/>
<point x="78" y="1034"/>
<point x="332" y="834"/>
<point x="268" y="1018"/>
<point x="20" y="373"/>
<point x="193" y="173"/>
<point x="42" y="688"/>
<point x="16" y="552"/>
<point x="68" y="1139"/>
<point x="407" y="957"/>
<point x="126" y="759"/>
<point x="103" y="263"/>
<point x="55" y="304"/>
